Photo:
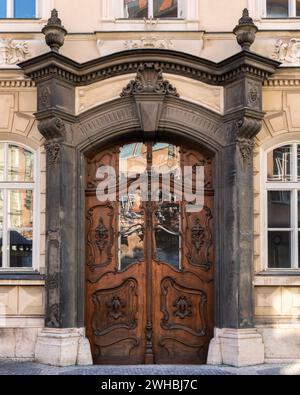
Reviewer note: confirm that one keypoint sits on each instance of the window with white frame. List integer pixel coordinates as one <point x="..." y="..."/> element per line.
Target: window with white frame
<point x="282" y="8"/>
<point x="139" y="9"/>
<point x="283" y="207"/>
<point x="17" y="190"/>
<point x="21" y="9"/>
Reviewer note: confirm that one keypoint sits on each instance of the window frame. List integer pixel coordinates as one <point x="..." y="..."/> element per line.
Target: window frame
<point x="10" y="185"/>
<point x="292" y="11"/>
<point x="294" y="187"/>
<point x="10" y="10"/>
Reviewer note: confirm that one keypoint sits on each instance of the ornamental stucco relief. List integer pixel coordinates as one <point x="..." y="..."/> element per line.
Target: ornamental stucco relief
<point x="149" y="42"/>
<point x="287" y="51"/>
<point x="13" y="51"/>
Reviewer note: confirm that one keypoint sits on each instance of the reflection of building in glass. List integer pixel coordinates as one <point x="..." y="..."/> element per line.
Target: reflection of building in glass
<point x="16" y="205"/>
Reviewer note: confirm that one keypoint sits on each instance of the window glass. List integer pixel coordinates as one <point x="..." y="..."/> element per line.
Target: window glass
<point x="299" y="209"/>
<point x="297" y="7"/>
<point x="279" y="209"/>
<point x="1" y="225"/>
<point x="133" y="161"/>
<point x="277" y="8"/>
<point x="2" y="162"/>
<point x="166" y="162"/>
<point x="135" y="9"/>
<point x="20" y="208"/>
<point x="3" y="8"/>
<point x="20" y="164"/>
<point x="165" y="8"/>
<point x="279" y="245"/>
<point x="24" y="8"/>
<point x="298" y="161"/>
<point x="279" y="164"/>
<point x="20" y="247"/>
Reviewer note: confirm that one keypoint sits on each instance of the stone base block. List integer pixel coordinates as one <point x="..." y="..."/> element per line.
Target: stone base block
<point x="242" y="347"/>
<point x="60" y="347"/>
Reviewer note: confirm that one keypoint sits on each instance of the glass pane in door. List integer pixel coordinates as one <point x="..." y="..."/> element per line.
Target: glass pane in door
<point x="167" y="233"/>
<point x="132" y="163"/>
<point x="166" y="164"/>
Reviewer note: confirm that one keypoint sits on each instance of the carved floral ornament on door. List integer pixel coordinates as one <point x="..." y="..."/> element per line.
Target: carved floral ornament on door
<point x="149" y="110"/>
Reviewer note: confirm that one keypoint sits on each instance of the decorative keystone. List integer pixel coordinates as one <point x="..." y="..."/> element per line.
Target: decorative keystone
<point x="54" y="32"/>
<point x="245" y="31"/>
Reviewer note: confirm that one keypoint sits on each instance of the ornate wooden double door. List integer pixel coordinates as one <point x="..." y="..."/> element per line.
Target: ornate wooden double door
<point x="150" y="257"/>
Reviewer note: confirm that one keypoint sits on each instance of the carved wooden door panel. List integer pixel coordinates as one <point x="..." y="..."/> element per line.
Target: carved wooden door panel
<point x="149" y="265"/>
<point x="183" y="286"/>
<point x="115" y="298"/>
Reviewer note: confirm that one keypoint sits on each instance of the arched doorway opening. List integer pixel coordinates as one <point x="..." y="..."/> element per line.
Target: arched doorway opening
<point x="150" y="253"/>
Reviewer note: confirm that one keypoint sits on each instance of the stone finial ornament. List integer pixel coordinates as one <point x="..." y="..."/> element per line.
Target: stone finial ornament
<point x="54" y="32"/>
<point x="245" y="31"/>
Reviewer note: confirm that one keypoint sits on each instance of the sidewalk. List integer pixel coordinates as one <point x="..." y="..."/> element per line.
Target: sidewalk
<point x="29" y="368"/>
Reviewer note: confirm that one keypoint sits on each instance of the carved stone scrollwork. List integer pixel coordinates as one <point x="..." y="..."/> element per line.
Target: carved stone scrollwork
<point x="246" y="148"/>
<point x="183" y="307"/>
<point x="53" y="151"/>
<point x="52" y="129"/>
<point x="149" y="79"/>
<point x="247" y="127"/>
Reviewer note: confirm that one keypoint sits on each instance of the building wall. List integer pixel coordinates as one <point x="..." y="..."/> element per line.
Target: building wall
<point x="206" y="32"/>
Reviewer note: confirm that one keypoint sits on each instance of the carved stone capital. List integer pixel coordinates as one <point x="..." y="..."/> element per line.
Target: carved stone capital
<point x="248" y="127"/>
<point x="52" y="129"/>
<point x="246" y="148"/>
<point x="149" y="79"/>
<point x="53" y="153"/>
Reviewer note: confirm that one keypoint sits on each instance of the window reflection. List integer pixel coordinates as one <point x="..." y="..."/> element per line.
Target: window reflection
<point x="1" y="248"/>
<point x="135" y="9"/>
<point x="1" y="208"/>
<point x="279" y="209"/>
<point x="277" y="8"/>
<point x="167" y="233"/>
<point x="133" y="161"/>
<point x="165" y="8"/>
<point x="279" y="164"/>
<point x="20" y="164"/>
<point x="20" y="208"/>
<point x="20" y="247"/>
<point x="1" y="162"/>
<point x="166" y="161"/>
<point x="279" y="245"/>
<point x="298" y="161"/>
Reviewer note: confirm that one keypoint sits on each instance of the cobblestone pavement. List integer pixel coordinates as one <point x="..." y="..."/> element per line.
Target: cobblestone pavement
<point x="29" y="368"/>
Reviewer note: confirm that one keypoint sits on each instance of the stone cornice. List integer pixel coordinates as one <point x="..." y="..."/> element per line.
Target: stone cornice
<point x="284" y="77"/>
<point x="16" y="83"/>
<point x="243" y="63"/>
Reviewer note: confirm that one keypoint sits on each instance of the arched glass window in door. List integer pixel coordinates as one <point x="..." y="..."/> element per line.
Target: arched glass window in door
<point x="157" y="164"/>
